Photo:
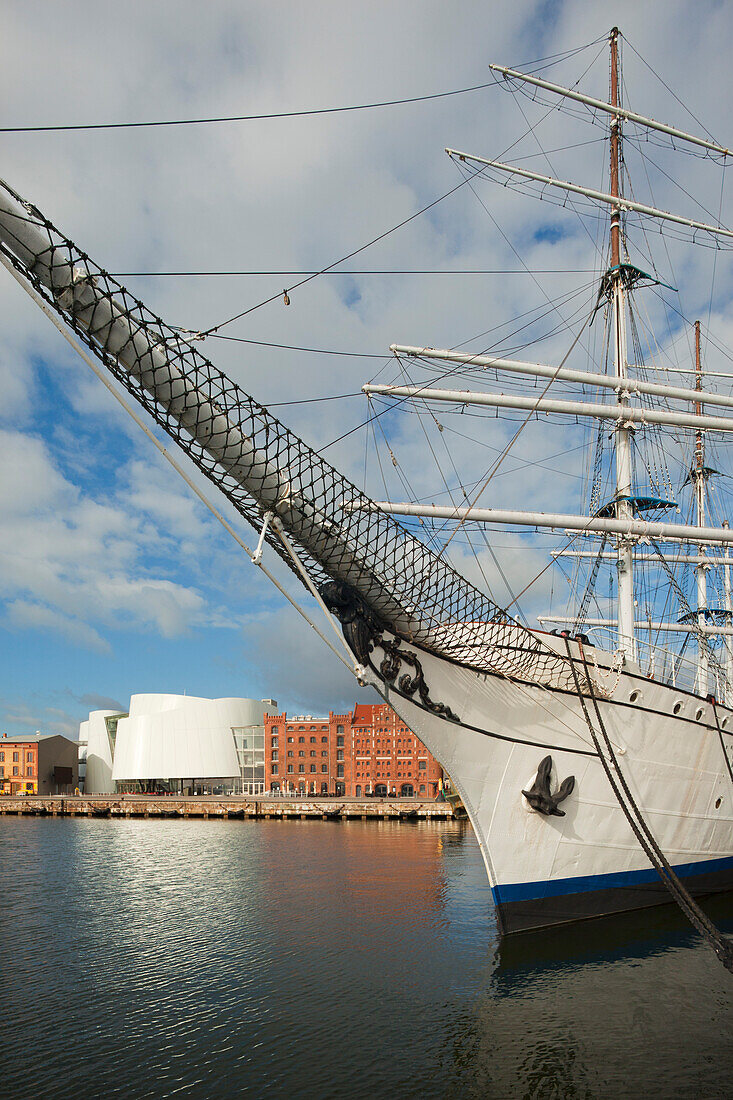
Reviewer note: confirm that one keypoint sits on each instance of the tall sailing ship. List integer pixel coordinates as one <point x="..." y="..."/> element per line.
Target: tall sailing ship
<point x="595" y="765"/>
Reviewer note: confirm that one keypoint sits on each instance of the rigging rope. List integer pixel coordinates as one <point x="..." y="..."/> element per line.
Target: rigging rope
<point x="722" y="946"/>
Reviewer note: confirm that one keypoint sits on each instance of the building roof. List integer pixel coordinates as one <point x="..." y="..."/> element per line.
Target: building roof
<point x="27" y="738"/>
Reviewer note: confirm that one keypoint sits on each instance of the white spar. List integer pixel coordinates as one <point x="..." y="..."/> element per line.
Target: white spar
<point x="564" y="374"/>
<point x="622" y="414"/>
<point x="554" y="520"/>
<point x="617" y="201"/>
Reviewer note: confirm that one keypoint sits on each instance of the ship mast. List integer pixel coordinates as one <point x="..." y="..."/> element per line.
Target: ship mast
<point x="624" y="508"/>
<point x="698" y="478"/>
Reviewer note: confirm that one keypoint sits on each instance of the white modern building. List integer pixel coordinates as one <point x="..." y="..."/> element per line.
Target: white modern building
<point x="177" y="741"/>
<point x="96" y="745"/>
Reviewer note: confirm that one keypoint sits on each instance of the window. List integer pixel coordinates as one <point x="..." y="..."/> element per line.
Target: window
<point x="313" y="767"/>
<point x="274" y="731"/>
<point x="301" y="767"/>
<point x="290" y="752"/>
<point x="339" y="771"/>
<point x="422" y="765"/>
<point x="29" y="758"/>
<point x="274" y="742"/>
<point x="324" y="752"/>
<point x="324" y="740"/>
<point x="301" y="752"/>
<point x="324" y="767"/>
<point x="290" y="767"/>
<point x="275" y="754"/>
<point x="313" y="752"/>
<point x="2" y="771"/>
<point x="29" y="771"/>
<point x="313" y="740"/>
<point x="275" y="769"/>
<point x="340" y="754"/>
<point x="339" y="729"/>
<point x="301" y="740"/>
<point x="2" y="755"/>
<point x="290" y="740"/>
<point x="422" y="788"/>
<point x="15" y="771"/>
<point x="339" y="740"/>
<point x="15" y="757"/>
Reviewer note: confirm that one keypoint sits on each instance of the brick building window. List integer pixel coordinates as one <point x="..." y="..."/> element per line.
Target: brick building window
<point x="290" y="740"/>
<point x="15" y="771"/>
<point x="339" y="729"/>
<point x="275" y="731"/>
<point x="340" y="754"/>
<point x="301" y="740"/>
<point x="324" y="740"/>
<point x="290" y="767"/>
<point x="275" y="754"/>
<point x="422" y="765"/>
<point x="29" y="758"/>
<point x="275" y="769"/>
<point x="2" y="771"/>
<point x="2" y="755"/>
<point x="313" y="752"/>
<point x="290" y="752"/>
<point x="339" y="771"/>
<point x="301" y="767"/>
<point x="324" y="752"/>
<point x="301" y="752"/>
<point x="15" y="757"/>
<point x="339" y="740"/>
<point x="313" y="740"/>
<point x="275" y="742"/>
<point x="313" y="767"/>
<point x="324" y="767"/>
<point x="422" y="788"/>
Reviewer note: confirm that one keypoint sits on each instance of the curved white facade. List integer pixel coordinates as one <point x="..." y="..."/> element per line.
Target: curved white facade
<point x="181" y="737"/>
<point x="98" y="779"/>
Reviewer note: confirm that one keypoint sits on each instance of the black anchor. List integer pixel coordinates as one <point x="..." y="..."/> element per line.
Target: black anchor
<point x="539" y="796"/>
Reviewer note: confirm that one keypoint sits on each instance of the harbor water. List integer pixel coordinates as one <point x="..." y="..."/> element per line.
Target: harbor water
<point x="216" y="959"/>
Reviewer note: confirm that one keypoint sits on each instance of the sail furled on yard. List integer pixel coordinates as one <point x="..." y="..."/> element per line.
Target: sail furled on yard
<point x="263" y="467"/>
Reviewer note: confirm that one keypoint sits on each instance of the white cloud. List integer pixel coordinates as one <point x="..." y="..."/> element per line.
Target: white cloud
<point x="22" y="614"/>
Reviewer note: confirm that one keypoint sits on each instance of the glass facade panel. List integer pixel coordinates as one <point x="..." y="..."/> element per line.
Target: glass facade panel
<point x="249" y="742"/>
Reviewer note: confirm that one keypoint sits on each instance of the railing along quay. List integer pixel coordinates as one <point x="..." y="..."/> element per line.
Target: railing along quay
<point x="166" y="806"/>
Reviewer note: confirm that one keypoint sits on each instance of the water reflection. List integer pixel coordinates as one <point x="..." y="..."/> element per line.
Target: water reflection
<point x="318" y="959"/>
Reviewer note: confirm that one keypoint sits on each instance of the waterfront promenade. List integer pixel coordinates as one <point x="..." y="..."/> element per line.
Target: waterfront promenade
<point x="216" y="806"/>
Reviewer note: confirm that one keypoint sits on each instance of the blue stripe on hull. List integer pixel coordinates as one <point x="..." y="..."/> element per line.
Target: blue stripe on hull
<point x="525" y="891"/>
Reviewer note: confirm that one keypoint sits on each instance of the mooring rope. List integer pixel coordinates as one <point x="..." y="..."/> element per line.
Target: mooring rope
<point x="722" y="946"/>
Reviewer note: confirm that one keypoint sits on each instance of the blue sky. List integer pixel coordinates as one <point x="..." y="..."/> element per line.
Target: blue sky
<point x="113" y="578"/>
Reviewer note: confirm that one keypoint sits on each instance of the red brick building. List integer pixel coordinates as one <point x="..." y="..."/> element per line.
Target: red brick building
<point x="39" y="764"/>
<point x="18" y="765"/>
<point x="369" y="751"/>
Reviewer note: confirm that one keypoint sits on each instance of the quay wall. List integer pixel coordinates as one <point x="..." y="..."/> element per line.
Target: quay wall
<point x="235" y="807"/>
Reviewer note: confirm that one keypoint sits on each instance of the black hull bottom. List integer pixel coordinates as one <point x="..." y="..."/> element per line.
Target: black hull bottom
<point x="535" y="913"/>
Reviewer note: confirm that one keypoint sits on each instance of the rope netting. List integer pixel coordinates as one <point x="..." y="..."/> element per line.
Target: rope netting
<point x="263" y="467"/>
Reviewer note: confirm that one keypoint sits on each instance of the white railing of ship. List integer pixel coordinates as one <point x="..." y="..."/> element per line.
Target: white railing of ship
<point x="660" y="663"/>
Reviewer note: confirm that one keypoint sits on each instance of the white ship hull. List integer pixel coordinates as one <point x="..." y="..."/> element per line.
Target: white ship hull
<point x="546" y="870"/>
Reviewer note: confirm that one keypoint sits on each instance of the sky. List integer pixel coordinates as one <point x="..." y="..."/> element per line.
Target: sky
<point x="114" y="578"/>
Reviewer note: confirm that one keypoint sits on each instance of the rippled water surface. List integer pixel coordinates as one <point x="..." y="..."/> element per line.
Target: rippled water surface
<point x="316" y="959"/>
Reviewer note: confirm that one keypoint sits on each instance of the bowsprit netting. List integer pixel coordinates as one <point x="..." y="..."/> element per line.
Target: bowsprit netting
<point x="262" y="467"/>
